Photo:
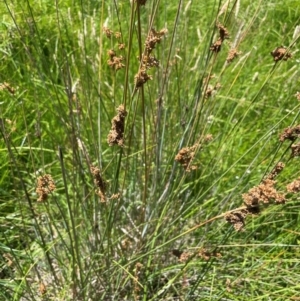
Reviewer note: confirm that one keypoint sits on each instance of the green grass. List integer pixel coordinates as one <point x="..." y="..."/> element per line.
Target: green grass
<point x="72" y="246"/>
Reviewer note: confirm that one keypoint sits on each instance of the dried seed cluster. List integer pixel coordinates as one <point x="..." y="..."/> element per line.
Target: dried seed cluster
<point x="116" y="134"/>
<point x="223" y="34"/>
<point x="232" y="54"/>
<point x="203" y="253"/>
<point x="185" y="157"/>
<point x="148" y="60"/>
<point x="292" y="133"/>
<point x="294" y="187"/>
<point x="280" y="53"/>
<point x="99" y="183"/>
<point x="45" y="186"/>
<point x="115" y="61"/>
<point x="264" y="193"/>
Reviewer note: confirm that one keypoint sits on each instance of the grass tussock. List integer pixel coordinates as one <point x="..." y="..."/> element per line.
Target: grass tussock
<point x="149" y="153"/>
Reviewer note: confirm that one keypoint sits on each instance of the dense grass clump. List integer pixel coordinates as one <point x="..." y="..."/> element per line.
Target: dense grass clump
<point x="149" y="150"/>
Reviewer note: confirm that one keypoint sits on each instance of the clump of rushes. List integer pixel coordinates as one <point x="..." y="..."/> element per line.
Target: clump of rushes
<point x="147" y="60"/>
<point x="223" y="34"/>
<point x="45" y="186"/>
<point x="264" y="193"/>
<point x="116" y="134"/>
<point x="280" y="53"/>
<point x="99" y="182"/>
<point x="186" y="155"/>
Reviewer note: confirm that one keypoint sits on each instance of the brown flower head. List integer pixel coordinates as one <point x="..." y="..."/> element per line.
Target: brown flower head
<point x="107" y="32"/>
<point x="290" y="133"/>
<point x="141" y="78"/>
<point x="263" y="193"/>
<point x="237" y="219"/>
<point x="276" y="171"/>
<point x="99" y="183"/>
<point x="185" y="157"/>
<point x="295" y="150"/>
<point x="223" y="34"/>
<point x="115" y="61"/>
<point x="153" y="38"/>
<point x="116" y="134"/>
<point x="294" y="187"/>
<point x="280" y="53"/>
<point x="232" y="54"/>
<point x="45" y="186"/>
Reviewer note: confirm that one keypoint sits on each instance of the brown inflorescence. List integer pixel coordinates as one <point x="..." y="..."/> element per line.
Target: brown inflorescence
<point x="264" y="193"/>
<point x="290" y="133"/>
<point x="116" y="134"/>
<point x="99" y="183"/>
<point x="203" y="253"/>
<point x="45" y="186"/>
<point x="276" y="171"/>
<point x="207" y="255"/>
<point x="141" y="78"/>
<point x="294" y="187"/>
<point x="107" y="32"/>
<point x="114" y="60"/>
<point x="153" y="38"/>
<point x="280" y="53"/>
<point x="295" y="148"/>
<point x="147" y="60"/>
<point x="223" y="34"/>
<point x="185" y="157"/>
<point x="232" y="54"/>
<point x="237" y="219"/>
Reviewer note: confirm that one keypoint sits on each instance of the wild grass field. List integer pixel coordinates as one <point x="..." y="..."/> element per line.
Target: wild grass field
<point x="149" y="150"/>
